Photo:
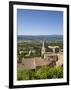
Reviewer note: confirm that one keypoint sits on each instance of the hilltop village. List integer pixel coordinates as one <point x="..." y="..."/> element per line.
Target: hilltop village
<point x="51" y="56"/>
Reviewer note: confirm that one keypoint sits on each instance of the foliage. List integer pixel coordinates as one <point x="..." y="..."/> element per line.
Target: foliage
<point x="31" y="74"/>
<point x="41" y="73"/>
<point x="25" y="74"/>
<point x="51" y="73"/>
<point x="59" y="71"/>
<point x="22" y="74"/>
<point x="55" y="72"/>
<point x="25" y="47"/>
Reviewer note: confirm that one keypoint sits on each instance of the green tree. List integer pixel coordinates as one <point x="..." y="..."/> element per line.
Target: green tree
<point x="22" y="74"/>
<point x="31" y="74"/>
<point x="59" y="70"/>
<point x="41" y="73"/>
<point x="55" y="72"/>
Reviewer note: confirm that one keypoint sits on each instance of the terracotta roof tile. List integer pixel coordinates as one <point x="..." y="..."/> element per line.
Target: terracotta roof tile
<point x="32" y="63"/>
<point x="29" y="63"/>
<point x="40" y="62"/>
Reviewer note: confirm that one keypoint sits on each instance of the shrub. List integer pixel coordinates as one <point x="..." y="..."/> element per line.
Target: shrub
<point x="55" y="72"/>
<point x="41" y="73"/>
<point x="59" y="70"/>
<point x="22" y="74"/>
<point x="31" y="74"/>
<point x="49" y="72"/>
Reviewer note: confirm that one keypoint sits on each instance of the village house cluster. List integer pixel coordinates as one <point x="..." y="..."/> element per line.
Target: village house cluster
<point x="49" y="57"/>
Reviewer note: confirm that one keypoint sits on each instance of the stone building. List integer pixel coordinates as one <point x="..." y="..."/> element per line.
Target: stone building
<point x="47" y="59"/>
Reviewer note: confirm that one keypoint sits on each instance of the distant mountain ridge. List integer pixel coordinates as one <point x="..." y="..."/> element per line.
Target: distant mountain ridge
<point x="41" y="37"/>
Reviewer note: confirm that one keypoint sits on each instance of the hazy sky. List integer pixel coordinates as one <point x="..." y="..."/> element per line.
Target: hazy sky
<point x="39" y="22"/>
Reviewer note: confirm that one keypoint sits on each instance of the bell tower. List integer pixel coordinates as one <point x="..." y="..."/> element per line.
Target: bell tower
<point x="43" y="50"/>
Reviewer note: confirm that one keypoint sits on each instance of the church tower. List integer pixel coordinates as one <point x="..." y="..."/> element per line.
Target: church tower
<point x="43" y="50"/>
